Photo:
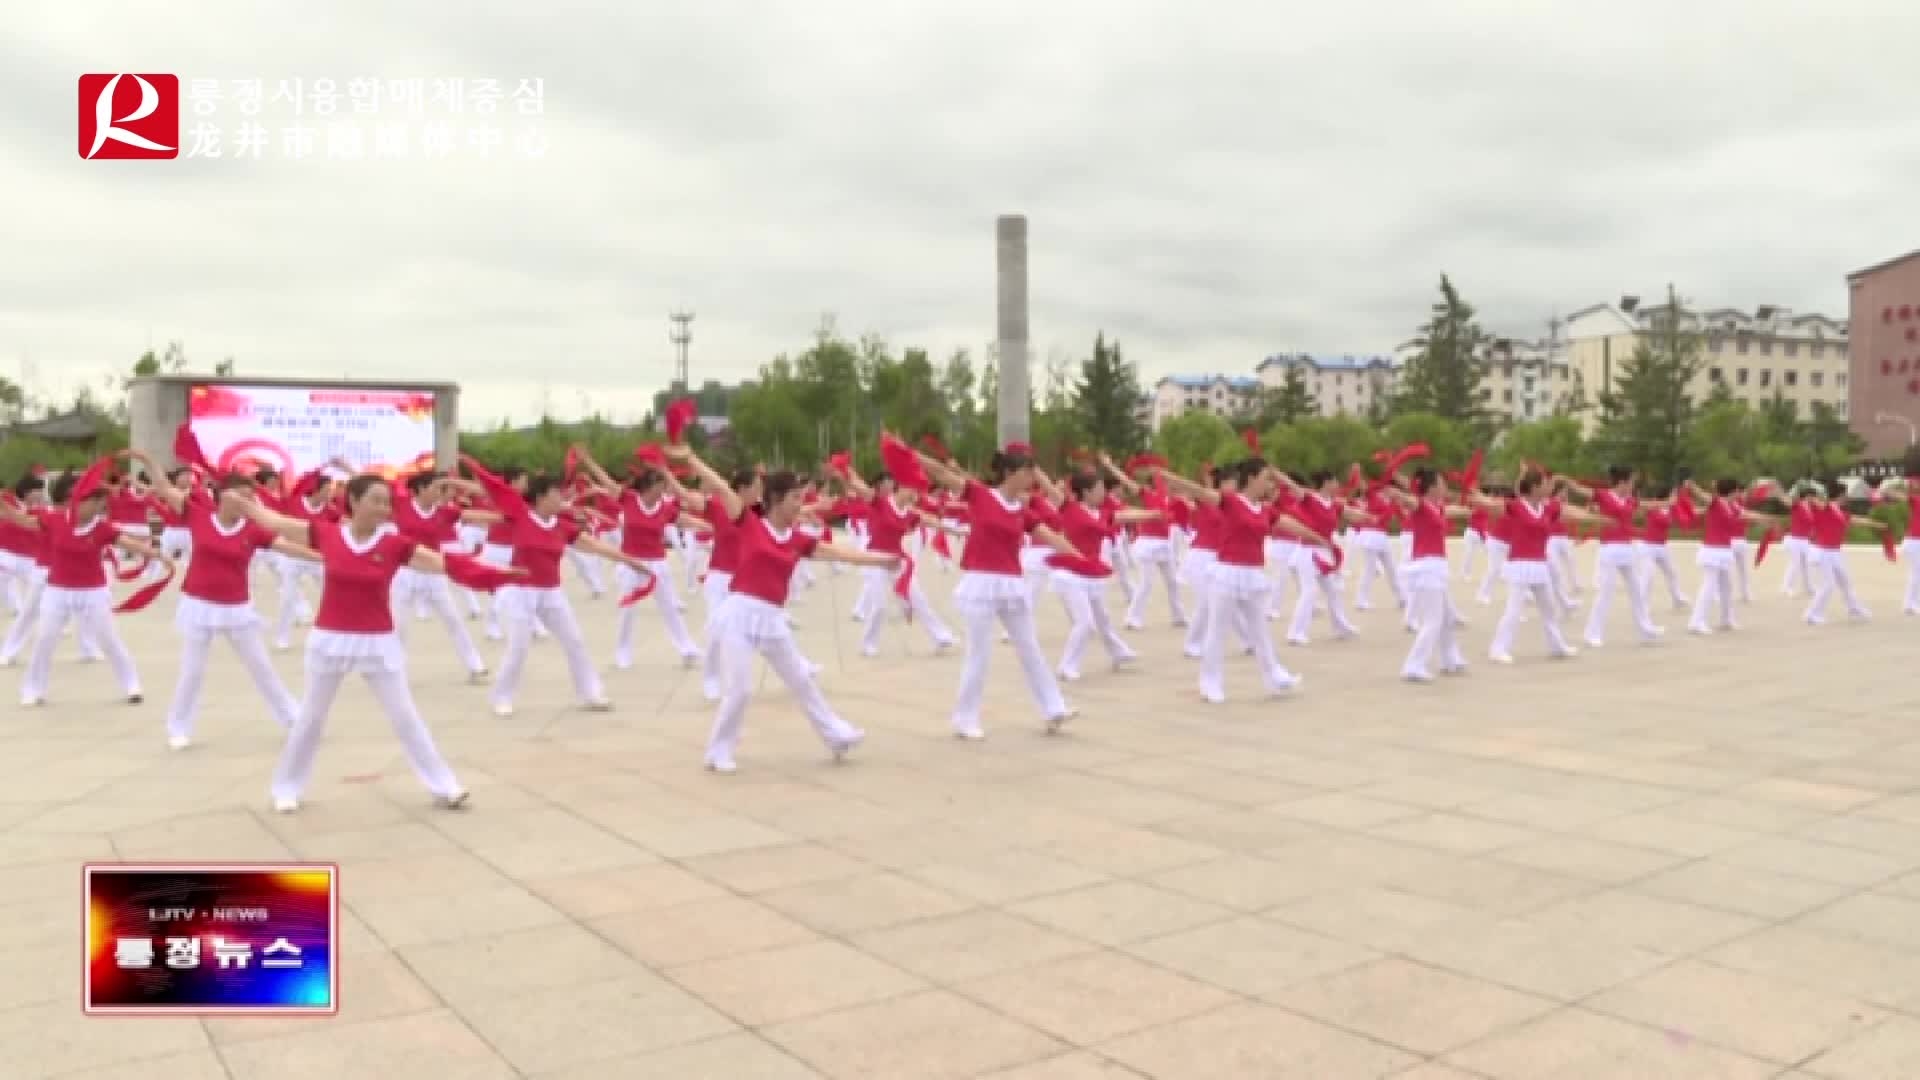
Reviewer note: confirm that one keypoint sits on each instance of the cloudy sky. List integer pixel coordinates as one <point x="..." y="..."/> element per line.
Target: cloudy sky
<point x="1210" y="181"/>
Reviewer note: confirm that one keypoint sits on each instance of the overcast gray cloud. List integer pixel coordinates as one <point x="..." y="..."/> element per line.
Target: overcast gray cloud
<point x="1209" y="181"/>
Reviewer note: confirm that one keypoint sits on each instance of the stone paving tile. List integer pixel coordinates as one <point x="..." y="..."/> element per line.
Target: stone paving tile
<point x="1348" y="883"/>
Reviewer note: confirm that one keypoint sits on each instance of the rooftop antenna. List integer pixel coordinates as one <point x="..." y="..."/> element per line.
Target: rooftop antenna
<point x="680" y="332"/>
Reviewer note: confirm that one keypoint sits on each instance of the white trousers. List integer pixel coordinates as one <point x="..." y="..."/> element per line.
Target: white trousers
<point x="295" y="769"/>
<point x="1616" y="565"/>
<point x="1196" y="638"/>
<point x="1659" y="558"/>
<point x="1741" y="547"/>
<point x="1434" y="631"/>
<point x="588" y="566"/>
<point x="521" y="607"/>
<point x="92" y="614"/>
<point x="1018" y="624"/>
<point x="1248" y="610"/>
<point x="1518" y="597"/>
<point x="1834" y="578"/>
<point x="1317" y="588"/>
<point x="1566" y="576"/>
<point x="413" y="588"/>
<point x="1087" y="608"/>
<point x="251" y="648"/>
<point x="1476" y="544"/>
<point x="1714" y="604"/>
<point x="877" y="601"/>
<point x="1377" y="561"/>
<point x="736" y="661"/>
<point x="625" y="580"/>
<point x="1496" y="562"/>
<point x="1910" y="551"/>
<point x="293" y="602"/>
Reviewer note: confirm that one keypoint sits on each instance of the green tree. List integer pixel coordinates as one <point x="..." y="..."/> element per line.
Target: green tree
<point x="1104" y="399"/>
<point x="1195" y="438"/>
<point x="1444" y="374"/>
<point x="1450" y="443"/>
<point x="1290" y="402"/>
<point x="1650" y="410"/>
<point x="1830" y="441"/>
<point x="1322" y="442"/>
<point x="1555" y="443"/>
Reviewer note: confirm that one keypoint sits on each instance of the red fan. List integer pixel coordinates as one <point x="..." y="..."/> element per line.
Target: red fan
<point x="1397" y="460"/>
<point x="1886" y="545"/>
<point x="509" y="502"/>
<point x="186" y="448"/>
<point x="91" y="480"/>
<point x="1145" y="461"/>
<point x="1356" y="480"/>
<point x="569" y="470"/>
<point x="1019" y="448"/>
<point x="902" y="464"/>
<point x="678" y="418"/>
<point x="641" y="591"/>
<point x="1252" y="439"/>
<point x="650" y="454"/>
<point x="1470" y="476"/>
<point x="932" y="445"/>
<point x="841" y="463"/>
<point x="1080" y="566"/>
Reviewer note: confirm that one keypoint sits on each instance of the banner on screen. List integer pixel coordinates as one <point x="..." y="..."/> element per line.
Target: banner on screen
<point x="297" y="429"/>
<point x="218" y="938"/>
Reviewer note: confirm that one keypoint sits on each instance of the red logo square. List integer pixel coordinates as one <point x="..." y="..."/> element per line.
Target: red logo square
<point x="129" y="116"/>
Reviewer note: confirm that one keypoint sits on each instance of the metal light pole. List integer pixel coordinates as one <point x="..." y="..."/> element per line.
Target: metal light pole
<point x="681" y="334"/>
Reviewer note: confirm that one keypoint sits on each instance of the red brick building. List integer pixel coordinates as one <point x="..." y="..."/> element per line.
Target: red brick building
<point x="1883" y="395"/>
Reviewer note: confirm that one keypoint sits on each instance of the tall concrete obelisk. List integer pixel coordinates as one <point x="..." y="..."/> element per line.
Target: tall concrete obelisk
<point x="1016" y="398"/>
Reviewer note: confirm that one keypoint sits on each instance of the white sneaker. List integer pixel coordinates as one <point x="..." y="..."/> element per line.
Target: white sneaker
<point x="969" y="734"/>
<point x="841" y="748"/>
<point x="724" y="768"/>
<point x="1055" y="723"/>
<point x="597" y="705"/>
<point x="503" y="710"/>
<point x="1500" y="657"/>
<point x="178" y="742"/>
<point x="285" y="806"/>
<point x="455" y="801"/>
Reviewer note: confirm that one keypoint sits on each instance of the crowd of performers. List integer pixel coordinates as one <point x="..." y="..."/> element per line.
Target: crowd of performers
<point x="1226" y="551"/>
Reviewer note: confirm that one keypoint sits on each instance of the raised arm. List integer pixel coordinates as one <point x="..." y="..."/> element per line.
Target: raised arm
<point x="721" y="491"/>
<point x="854" y="556"/>
<point x="1122" y="480"/>
<point x="159" y="486"/>
<point x="1190" y="489"/>
<point x="288" y="528"/>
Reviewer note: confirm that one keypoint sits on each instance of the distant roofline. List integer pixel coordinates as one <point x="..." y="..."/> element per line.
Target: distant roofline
<point x="1897" y="259"/>
<point x="1246" y="381"/>
<point x="1323" y="361"/>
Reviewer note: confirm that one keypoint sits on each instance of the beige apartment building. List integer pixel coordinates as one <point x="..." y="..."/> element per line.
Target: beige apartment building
<point x="1758" y="356"/>
<point x="1346" y="383"/>
<point x="1884" y="305"/>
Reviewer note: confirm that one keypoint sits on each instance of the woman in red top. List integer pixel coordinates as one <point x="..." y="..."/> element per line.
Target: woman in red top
<point x="428" y="515"/>
<point x="1529" y="516"/>
<point x="1725" y="519"/>
<point x="1903" y="488"/>
<point x="1830" y="524"/>
<point x="1322" y="511"/>
<point x="543" y="533"/>
<point x="1618" y="561"/>
<point x="754" y="617"/>
<point x="726" y="500"/>
<point x="1475" y="536"/>
<point x="1798" y="542"/>
<point x="1427" y="514"/>
<point x="176" y="537"/>
<point x="1499" y="536"/>
<point x="29" y="548"/>
<point x="992" y="586"/>
<point x="1088" y="524"/>
<point x="1203" y="552"/>
<point x="1240" y="583"/>
<point x="216" y="597"/>
<point x="77" y="538"/>
<point x="353" y="633"/>
<point x="312" y="498"/>
<point x="19" y="546"/>
<point x="649" y="509"/>
<point x="893" y="514"/>
<point x="1152" y="548"/>
<point x="498" y="550"/>
<point x="1376" y="554"/>
<point x="1651" y="546"/>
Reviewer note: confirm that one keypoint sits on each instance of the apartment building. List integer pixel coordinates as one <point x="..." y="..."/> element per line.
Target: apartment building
<point x="1343" y="383"/>
<point x="1229" y="396"/>
<point x="1884" y="358"/>
<point x="1757" y="356"/>
<point x="1529" y="380"/>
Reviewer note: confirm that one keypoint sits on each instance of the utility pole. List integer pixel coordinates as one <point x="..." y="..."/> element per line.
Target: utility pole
<point x="681" y="334"/>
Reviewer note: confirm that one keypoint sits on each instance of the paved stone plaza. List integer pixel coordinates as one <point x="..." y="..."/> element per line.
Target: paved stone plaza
<point x="1699" y="860"/>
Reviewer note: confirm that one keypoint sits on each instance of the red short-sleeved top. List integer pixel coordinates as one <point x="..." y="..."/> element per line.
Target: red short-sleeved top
<point x="1658" y="524"/>
<point x="726" y="539"/>
<point x="1800" y="520"/>
<point x="539" y="546"/>
<point x="218" y="569"/>
<point x="431" y="527"/>
<point x="1619" y="511"/>
<point x="1083" y="528"/>
<point x="1319" y="513"/>
<point x="767" y="557"/>
<point x="1724" y="522"/>
<point x="356" y="584"/>
<point x="1427" y="521"/>
<point x="643" y="529"/>
<point x="1830" y="524"/>
<point x="997" y="529"/>
<point x="1243" y="531"/>
<point x="887" y="525"/>
<point x="1528" y="529"/>
<point x="73" y="554"/>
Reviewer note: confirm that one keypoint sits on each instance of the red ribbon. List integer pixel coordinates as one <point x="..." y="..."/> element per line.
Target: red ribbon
<point x="146" y="594"/>
<point x="568" y="469"/>
<point x="1685" y="514"/>
<point x="940" y="546"/>
<point x="841" y="463"/>
<point x="903" y="585"/>
<point x="932" y="444"/>
<point x="641" y="591"/>
<point x="472" y="573"/>
<point x="1766" y="544"/>
<point x="1328" y="569"/>
<point x="1080" y="565"/>
<point x="1886" y="545"/>
<point x="124" y="573"/>
<point x="1252" y="439"/>
<point x="509" y="502"/>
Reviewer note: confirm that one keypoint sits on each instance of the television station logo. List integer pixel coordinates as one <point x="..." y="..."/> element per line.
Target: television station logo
<point x="129" y="117"/>
<point x="157" y="117"/>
